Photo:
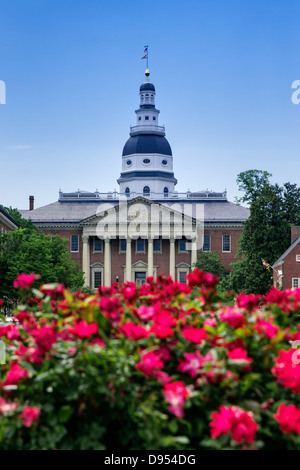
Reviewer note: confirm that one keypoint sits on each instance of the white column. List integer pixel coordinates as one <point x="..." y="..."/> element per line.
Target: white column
<point x="86" y="259"/>
<point x="150" y="257"/>
<point x="193" y="253"/>
<point x="128" y="260"/>
<point x="107" y="263"/>
<point x="172" y="258"/>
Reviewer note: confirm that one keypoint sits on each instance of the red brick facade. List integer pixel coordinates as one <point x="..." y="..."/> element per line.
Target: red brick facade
<point x="286" y="272"/>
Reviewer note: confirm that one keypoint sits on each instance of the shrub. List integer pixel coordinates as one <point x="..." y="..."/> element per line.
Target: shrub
<point x="150" y="368"/>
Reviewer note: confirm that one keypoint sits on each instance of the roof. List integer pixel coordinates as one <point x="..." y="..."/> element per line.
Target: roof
<point x="284" y="255"/>
<point x="147" y="143"/>
<point x="8" y="216"/>
<point x="77" y="210"/>
<point x="147" y="86"/>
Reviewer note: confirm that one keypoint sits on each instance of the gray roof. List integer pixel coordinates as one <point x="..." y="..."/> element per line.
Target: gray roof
<point x="75" y="211"/>
<point x="284" y="255"/>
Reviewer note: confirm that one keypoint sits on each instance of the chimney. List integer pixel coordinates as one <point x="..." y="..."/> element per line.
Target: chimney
<point x="31" y="203"/>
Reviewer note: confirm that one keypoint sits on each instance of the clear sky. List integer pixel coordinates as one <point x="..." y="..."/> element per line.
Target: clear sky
<point x="222" y="69"/>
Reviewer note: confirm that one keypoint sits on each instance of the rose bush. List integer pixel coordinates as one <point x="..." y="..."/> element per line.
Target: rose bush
<point x="151" y="367"/>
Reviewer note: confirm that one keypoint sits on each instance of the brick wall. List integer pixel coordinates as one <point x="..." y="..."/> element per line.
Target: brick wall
<point x="291" y="268"/>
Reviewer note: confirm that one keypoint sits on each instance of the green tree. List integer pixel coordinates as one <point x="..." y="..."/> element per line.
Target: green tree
<point x="22" y="223"/>
<point x="31" y="251"/>
<point x="266" y="233"/>
<point x="210" y="263"/>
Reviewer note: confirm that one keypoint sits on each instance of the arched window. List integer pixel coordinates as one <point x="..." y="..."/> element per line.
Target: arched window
<point x="166" y="192"/>
<point x="146" y="191"/>
<point x="127" y="191"/>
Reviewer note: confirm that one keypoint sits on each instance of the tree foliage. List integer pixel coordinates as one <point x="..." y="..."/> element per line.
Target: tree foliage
<point x="209" y="262"/>
<point x="266" y="233"/>
<point x="27" y="251"/>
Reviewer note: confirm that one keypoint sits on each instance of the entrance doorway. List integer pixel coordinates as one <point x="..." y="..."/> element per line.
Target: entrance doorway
<point x="140" y="278"/>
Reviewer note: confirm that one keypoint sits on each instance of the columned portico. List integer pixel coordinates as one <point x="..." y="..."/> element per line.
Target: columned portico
<point x="86" y="259"/>
<point x="150" y="257"/>
<point x="128" y="260"/>
<point x="172" y="257"/>
<point x="107" y="263"/>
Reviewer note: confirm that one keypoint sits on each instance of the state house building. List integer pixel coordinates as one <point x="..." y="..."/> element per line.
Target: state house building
<point x="102" y="240"/>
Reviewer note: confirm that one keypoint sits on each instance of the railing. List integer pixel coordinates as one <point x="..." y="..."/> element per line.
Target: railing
<point x="96" y="196"/>
<point x="145" y="128"/>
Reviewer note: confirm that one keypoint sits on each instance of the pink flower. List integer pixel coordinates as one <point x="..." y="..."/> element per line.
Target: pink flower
<point x="210" y="322"/>
<point x="233" y="318"/>
<point x="134" y="332"/>
<point x="235" y="420"/>
<point x="288" y="416"/>
<point x="6" y="407"/>
<point x="44" y="337"/>
<point x="161" y="331"/>
<point x="248" y="302"/>
<point x="191" y="364"/>
<point x="198" y="278"/>
<point x="287" y="372"/>
<point x="195" y="335"/>
<point x="29" y="415"/>
<point x="83" y="330"/>
<point x="175" y="394"/>
<point x="146" y="313"/>
<point x="266" y="328"/>
<point x="25" y="281"/>
<point x="53" y="290"/>
<point x="14" y="375"/>
<point x="149" y="362"/>
<point x="239" y="355"/>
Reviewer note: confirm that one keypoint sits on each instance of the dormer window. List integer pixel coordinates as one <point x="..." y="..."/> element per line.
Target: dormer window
<point x="154" y="118"/>
<point x="146" y="118"/>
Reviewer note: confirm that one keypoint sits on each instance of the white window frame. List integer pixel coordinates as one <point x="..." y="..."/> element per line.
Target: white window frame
<point x="94" y="245"/>
<point x="136" y="242"/>
<point x="207" y="235"/>
<point x="298" y="282"/>
<point x="96" y="268"/>
<point x="122" y="251"/>
<point x="160" y="241"/>
<point x="226" y="235"/>
<point x="74" y="251"/>
<point x="182" y="271"/>
<point x="297" y="258"/>
<point x="179" y="250"/>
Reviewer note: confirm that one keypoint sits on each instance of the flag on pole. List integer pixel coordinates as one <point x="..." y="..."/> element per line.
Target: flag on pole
<point x="266" y="265"/>
<point x="145" y="56"/>
<point x="146" y="49"/>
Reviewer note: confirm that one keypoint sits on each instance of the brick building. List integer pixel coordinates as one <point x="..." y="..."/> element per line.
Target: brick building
<point x="286" y="270"/>
<point x="7" y="222"/>
<point x="147" y="228"/>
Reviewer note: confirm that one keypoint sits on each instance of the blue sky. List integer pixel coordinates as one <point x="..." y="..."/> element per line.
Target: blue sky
<point x="222" y="70"/>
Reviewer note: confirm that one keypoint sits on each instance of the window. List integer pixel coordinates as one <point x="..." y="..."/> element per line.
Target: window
<point x="146" y="191"/>
<point x="164" y="162"/>
<point x="146" y="95"/>
<point x="122" y="247"/>
<point x="182" y="277"/>
<point x="97" y="279"/>
<point x="182" y="245"/>
<point x="97" y="245"/>
<point x="298" y="258"/>
<point x="166" y="192"/>
<point x="157" y="244"/>
<point x="154" y="118"/>
<point x="296" y="282"/>
<point x="226" y="244"/>
<point x="206" y="243"/>
<point x="140" y="118"/>
<point x="75" y="243"/>
<point x="128" y="162"/>
<point x="140" y="245"/>
<point x="146" y="161"/>
<point x="146" y="118"/>
<point x="127" y="191"/>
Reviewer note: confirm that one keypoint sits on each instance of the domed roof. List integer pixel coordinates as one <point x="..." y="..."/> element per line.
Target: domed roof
<point x="147" y="86"/>
<point x="147" y="143"/>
